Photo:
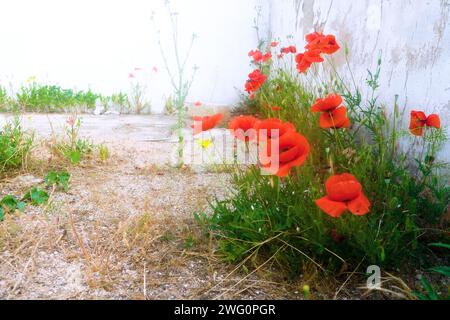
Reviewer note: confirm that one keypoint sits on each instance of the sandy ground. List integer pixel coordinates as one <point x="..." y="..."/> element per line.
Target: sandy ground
<point x="125" y="229"/>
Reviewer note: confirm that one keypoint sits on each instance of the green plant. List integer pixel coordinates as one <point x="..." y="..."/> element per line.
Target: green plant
<point x="36" y="196"/>
<point x="52" y="98"/>
<point x="10" y="204"/>
<point x="277" y="220"/>
<point x="429" y="292"/>
<point x="15" y="146"/>
<point x="58" y="180"/>
<point x="4" y="99"/>
<point x="169" y="107"/>
<point x="120" y="100"/>
<point x="180" y="82"/>
<point x="105" y="101"/>
<point x="189" y="242"/>
<point x="72" y="147"/>
<point x="103" y="152"/>
<point x="136" y="100"/>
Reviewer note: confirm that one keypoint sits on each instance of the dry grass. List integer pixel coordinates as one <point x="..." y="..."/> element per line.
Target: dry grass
<point x="122" y="231"/>
<point x="125" y="230"/>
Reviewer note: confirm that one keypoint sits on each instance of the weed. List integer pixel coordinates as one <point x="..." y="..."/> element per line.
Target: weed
<point x="36" y="196"/>
<point x="120" y="101"/>
<point x="103" y="152"/>
<point x="180" y="82"/>
<point x="52" y="98"/>
<point x="56" y="179"/>
<point x="72" y="147"/>
<point x="15" y="146"/>
<point x="10" y="204"/>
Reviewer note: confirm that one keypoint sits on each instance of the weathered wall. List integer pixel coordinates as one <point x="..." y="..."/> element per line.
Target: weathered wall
<point x="413" y="36"/>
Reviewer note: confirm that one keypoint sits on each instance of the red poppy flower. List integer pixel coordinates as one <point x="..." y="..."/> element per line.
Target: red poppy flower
<point x="305" y="60"/>
<point x="273" y="128"/>
<point x="344" y="192"/>
<point x="274" y="44"/>
<point x="329" y="103"/>
<point x="313" y="36"/>
<point x="267" y="57"/>
<point x="251" y="97"/>
<point x="252" y="53"/>
<point x="335" y="119"/>
<point x="131" y="75"/>
<point x="275" y="108"/>
<point x="318" y="41"/>
<point x="302" y="64"/>
<point x="259" y="57"/>
<point x="206" y="123"/>
<point x="293" y="149"/>
<point x="290" y="49"/>
<point x="256" y="80"/>
<point x="198" y="104"/>
<point x="242" y="127"/>
<point x="333" y="114"/>
<point x="419" y="120"/>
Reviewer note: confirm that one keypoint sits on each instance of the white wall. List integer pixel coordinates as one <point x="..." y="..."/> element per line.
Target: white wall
<point x="81" y="43"/>
<point x="96" y="43"/>
<point x="414" y="36"/>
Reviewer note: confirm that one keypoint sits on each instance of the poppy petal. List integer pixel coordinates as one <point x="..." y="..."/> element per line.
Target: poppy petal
<point x="329" y="103"/>
<point x="417" y="131"/>
<point x="344" y="190"/>
<point x="417" y="122"/>
<point x="340" y="118"/>
<point x="292" y="151"/>
<point x="335" y="119"/>
<point x="333" y="208"/>
<point x="434" y="121"/>
<point x="346" y="123"/>
<point x="318" y="106"/>
<point x="274" y="128"/>
<point x="335" y="99"/>
<point x="359" y="206"/>
<point x="344" y="187"/>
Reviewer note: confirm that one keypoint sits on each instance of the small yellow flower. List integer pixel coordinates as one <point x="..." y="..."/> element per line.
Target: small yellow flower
<point x="205" y="144"/>
<point x="31" y="79"/>
<point x="306" y="291"/>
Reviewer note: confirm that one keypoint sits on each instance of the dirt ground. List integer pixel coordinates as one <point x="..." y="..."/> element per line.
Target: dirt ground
<point x="125" y="229"/>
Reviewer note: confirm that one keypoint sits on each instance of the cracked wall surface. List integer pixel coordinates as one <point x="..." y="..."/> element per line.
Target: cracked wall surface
<point x="413" y="38"/>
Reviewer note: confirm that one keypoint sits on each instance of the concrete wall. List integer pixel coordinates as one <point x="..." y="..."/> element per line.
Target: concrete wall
<point x="413" y="36"/>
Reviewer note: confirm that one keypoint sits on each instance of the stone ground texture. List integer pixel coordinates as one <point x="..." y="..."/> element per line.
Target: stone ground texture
<point x="125" y="229"/>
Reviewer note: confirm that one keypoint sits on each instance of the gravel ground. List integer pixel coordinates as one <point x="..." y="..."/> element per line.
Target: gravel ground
<point x="125" y="229"/>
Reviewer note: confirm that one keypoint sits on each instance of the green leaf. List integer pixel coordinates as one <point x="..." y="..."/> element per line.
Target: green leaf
<point x="59" y="179"/>
<point x="37" y="196"/>
<point x="440" y="245"/>
<point x="10" y="202"/>
<point x="197" y="217"/>
<point x="431" y="293"/>
<point x="420" y="295"/>
<point x="444" y="270"/>
<point x="75" y="157"/>
<point x="2" y="214"/>
<point x="21" y="206"/>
